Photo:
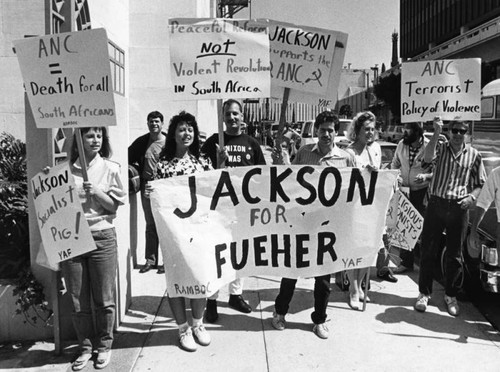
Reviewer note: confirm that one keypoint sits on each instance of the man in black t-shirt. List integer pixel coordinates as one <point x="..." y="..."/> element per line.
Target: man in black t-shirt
<point x="239" y="150"/>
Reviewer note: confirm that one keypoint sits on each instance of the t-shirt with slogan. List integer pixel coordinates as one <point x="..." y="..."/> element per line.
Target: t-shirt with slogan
<point x="243" y="150"/>
<point x="151" y="158"/>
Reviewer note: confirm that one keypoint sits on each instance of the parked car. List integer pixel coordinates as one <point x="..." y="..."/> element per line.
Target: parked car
<point x="393" y="133"/>
<point x="442" y="137"/>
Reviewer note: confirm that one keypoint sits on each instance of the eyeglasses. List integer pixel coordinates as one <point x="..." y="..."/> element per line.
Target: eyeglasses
<point x="461" y="131"/>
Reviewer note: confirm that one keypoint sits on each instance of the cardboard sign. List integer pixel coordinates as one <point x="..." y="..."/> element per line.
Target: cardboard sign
<point x="67" y="78"/>
<point x="408" y="224"/>
<point x="283" y="221"/>
<point x="64" y="230"/>
<point x="447" y="88"/>
<point x="218" y="59"/>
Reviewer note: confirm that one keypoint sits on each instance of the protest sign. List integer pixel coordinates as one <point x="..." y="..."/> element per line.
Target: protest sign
<point x="67" y="78"/>
<point x="283" y="221"/>
<point x="64" y="230"/>
<point x="447" y="88"/>
<point x="218" y="59"/>
<point x="307" y="60"/>
<point x="408" y="224"/>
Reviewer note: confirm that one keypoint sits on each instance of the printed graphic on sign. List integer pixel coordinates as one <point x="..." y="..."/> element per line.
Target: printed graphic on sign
<point x="283" y="221"/>
<point x="64" y="230"/>
<point x="447" y="88"/>
<point x="218" y="59"/>
<point x="67" y="78"/>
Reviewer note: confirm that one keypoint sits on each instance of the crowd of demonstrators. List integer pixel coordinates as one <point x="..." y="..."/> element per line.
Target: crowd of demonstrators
<point x="367" y="154"/>
<point x="239" y="150"/>
<point x="325" y="152"/>
<point x="144" y="153"/>
<point x="181" y="156"/>
<point x="408" y="158"/>
<point x="91" y="278"/>
<point x="458" y="176"/>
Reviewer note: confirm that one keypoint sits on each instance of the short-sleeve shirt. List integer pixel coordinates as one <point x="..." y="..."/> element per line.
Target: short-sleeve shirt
<point x="371" y="155"/>
<point x="243" y="150"/>
<point x="105" y="175"/>
<point x="490" y="192"/>
<point x="181" y="166"/>
<point x="311" y="155"/>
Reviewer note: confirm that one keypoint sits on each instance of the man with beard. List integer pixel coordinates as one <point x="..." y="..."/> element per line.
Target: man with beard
<point x="239" y="150"/>
<point x="408" y="159"/>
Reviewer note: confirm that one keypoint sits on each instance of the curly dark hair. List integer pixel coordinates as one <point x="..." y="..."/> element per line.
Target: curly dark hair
<point x="170" y="148"/>
<point x="105" y="150"/>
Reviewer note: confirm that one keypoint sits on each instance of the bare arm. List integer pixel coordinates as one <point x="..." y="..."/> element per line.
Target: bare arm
<point x="430" y="149"/>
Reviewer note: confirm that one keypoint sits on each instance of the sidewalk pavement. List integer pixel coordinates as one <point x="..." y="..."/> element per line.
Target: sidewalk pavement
<point x="389" y="336"/>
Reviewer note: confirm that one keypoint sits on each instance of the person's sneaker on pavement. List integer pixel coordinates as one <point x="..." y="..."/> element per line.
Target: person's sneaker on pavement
<point x="186" y="340"/>
<point x="452" y="305"/>
<point x="422" y="301"/>
<point x="321" y="330"/>
<point x="201" y="335"/>
<point x="237" y="302"/>
<point x="278" y="321"/>
<point x="211" y="314"/>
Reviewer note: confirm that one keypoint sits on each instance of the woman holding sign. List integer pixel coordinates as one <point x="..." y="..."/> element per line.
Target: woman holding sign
<point x="367" y="154"/>
<point x="91" y="278"/>
<point x="181" y="156"/>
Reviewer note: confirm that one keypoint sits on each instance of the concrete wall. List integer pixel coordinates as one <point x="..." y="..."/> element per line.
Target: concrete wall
<point x="17" y="19"/>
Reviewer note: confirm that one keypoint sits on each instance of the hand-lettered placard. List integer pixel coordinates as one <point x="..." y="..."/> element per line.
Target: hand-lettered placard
<point x="64" y="230"/>
<point x="408" y="223"/>
<point x="447" y="88"/>
<point x="67" y="78"/>
<point x="218" y="59"/>
<point x="284" y="221"/>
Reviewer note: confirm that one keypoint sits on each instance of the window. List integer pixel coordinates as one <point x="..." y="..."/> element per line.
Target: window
<point x="486" y="107"/>
<point x="117" y="62"/>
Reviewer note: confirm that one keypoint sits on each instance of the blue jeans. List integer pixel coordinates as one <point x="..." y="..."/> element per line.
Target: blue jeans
<point x="91" y="277"/>
<point x="442" y="214"/>
<point x="152" y="242"/>
<point x="321" y="295"/>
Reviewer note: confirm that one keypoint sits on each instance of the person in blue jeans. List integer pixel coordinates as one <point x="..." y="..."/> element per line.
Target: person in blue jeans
<point x="91" y="278"/>
<point x="143" y="154"/>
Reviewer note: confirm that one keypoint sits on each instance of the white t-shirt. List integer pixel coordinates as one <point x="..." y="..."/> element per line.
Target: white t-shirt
<point x="490" y="192"/>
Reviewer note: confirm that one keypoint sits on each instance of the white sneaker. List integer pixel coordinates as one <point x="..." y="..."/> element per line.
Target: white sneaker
<point x="321" y="330"/>
<point x="187" y="341"/>
<point x="278" y="321"/>
<point x="452" y="305"/>
<point x="422" y="301"/>
<point x="202" y="335"/>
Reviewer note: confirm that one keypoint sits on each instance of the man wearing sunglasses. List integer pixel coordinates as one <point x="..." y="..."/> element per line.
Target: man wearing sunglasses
<point x="458" y="175"/>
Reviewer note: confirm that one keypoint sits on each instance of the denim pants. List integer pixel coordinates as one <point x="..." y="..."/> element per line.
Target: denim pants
<point x="442" y="214"/>
<point x="92" y="277"/>
<point x="152" y="243"/>
<point x="417" y="200"/>
<point x="321" y="295"/>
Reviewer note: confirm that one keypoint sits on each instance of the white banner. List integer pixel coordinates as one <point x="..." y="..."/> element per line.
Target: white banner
<point x="284" y="221"/>
<point x="218" y="59"/>
<point x="67" y="78"/>
<point x="447" y="88"/>
<point x="64" y="230"/>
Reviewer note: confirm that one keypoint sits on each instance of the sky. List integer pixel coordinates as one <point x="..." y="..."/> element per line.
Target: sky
<point x="368" y="23"/>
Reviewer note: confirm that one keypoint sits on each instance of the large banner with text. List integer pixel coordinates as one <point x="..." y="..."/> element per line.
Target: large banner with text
<point x="67" y="78"/>
<point x="447" y="88"/>
<point x="284" y="221"/>
<point x="218" y="59"/>
<point x="64" y="230"/>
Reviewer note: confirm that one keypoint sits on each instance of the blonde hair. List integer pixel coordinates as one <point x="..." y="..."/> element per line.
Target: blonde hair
<point x="357" y="123"/>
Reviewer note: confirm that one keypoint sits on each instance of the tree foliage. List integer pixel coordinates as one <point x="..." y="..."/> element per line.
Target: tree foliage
<point x="388" y="90"/>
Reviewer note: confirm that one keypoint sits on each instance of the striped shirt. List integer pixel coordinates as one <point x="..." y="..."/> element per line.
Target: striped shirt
<point x="456" y="175"/>
<point x="311" y="155"/>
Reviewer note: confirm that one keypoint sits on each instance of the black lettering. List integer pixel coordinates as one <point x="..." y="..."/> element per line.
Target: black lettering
<point x="326" y="240"/>
<point x="302" y="182"/>
<point x="357" y="178"/>
<point x="321" y="186"/>
<point x="244" y="255"/>
<point x="224" y="180"/>
<point x="246" y="182"/>
<point x="194" y="200"/>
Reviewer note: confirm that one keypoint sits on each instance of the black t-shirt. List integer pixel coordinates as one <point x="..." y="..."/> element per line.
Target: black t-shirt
<point x="242" y="149"/>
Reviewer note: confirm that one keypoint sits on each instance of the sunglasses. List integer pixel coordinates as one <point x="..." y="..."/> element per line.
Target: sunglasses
<point x="461" y="131"/>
